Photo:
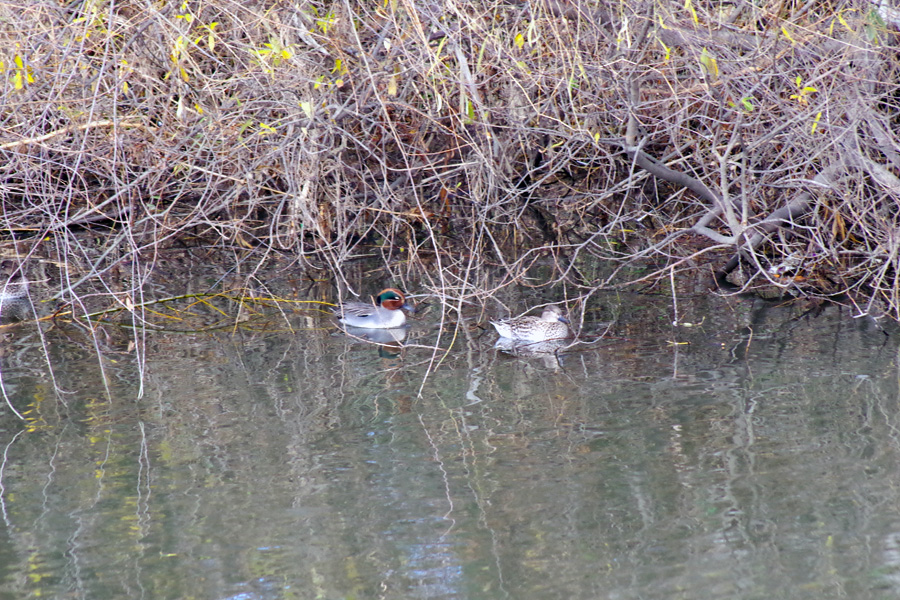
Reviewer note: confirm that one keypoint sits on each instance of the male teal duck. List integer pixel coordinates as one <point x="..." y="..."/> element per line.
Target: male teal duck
<point x="385" y="313"/>
<point x="551" y="325"/>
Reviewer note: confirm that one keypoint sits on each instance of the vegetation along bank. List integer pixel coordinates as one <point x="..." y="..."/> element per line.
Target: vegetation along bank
<point x="757" y="141"/>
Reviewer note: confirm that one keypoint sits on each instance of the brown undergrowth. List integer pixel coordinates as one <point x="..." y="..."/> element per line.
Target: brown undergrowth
<point x="754" y="139"/>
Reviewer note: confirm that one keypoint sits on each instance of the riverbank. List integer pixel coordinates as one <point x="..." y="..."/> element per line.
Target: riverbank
<point x="677" y="142"/>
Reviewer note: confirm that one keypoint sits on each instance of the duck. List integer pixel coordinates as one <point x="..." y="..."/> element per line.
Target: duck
<point x="551" y="325"/>
<point x="384" y="313"/>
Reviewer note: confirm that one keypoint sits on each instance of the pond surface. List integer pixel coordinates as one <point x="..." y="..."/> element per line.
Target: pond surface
<point x="755" y="454"/>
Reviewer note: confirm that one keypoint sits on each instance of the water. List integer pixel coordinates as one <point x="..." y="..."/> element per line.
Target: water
<point x="752" y="456"/>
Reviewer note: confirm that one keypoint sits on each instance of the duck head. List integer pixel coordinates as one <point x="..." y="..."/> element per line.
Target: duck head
<point x="393" y="299"/>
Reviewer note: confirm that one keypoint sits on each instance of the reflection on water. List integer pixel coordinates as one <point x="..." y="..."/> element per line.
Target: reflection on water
<point x="15" y="301"/>
<point x="753" y="457"/>
<point x="550" y="352"/>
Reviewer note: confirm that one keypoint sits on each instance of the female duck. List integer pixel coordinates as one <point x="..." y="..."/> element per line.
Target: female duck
<point x="385" y="313"/>
<point x="551" y="325"/>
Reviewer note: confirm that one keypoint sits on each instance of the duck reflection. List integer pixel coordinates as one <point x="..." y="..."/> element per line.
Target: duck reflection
<point x="389" y="341"/>
<point x="550" y="352"/>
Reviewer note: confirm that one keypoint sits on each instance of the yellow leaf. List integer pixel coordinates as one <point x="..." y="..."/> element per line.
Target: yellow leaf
<point x="816" y="122"/>
<point x="17" y="80"/>
<point x="307" y="109"/>
<point x="124" y="87"/>
<point x="184" y="74"/>
<point x="18" y="61"/>
<point x="211" y="38"/>
<point x="708" y="65"/>
<point x="392" y="86"/>
<point x="689" y="6"/>
<point x="844" y="23"/>
<point x="267" y="128"/>
<point x="787" y="35"/>
<point x="178" y="48"/>
<point x="520" y="40"/>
